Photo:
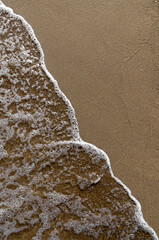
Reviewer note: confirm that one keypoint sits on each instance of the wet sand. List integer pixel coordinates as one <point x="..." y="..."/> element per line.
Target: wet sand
<point x="105" y="58"/>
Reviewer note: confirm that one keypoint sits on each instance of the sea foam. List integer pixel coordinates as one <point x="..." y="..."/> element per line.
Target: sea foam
<point x="53" y="185"/>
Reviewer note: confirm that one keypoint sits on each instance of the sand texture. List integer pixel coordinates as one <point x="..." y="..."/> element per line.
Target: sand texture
<point x="54" y="185"/>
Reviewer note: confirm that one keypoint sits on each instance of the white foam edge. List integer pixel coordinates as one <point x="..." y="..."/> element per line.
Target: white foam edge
<point x="70" y="109"/>
<point x="73" y="120"/>
<point x="4" y="7"/>
<point x="139" y="215"/>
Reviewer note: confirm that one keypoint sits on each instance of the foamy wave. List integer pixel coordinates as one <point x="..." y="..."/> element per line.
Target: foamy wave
<point x="53" y="184"/>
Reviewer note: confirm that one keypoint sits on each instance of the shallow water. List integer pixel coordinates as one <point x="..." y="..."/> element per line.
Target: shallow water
<point x="53" y="185"/>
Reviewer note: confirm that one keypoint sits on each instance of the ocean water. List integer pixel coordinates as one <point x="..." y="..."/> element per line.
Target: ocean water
<point x="53" y="185"/>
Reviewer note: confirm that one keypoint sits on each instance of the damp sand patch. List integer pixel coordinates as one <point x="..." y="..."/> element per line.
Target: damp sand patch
<point x="53" y="184"/>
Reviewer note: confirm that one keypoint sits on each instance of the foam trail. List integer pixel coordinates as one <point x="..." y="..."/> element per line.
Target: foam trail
<point x="53" y="184"/>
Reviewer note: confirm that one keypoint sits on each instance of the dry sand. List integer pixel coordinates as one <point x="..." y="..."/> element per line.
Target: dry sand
<point x="105" y="57"/>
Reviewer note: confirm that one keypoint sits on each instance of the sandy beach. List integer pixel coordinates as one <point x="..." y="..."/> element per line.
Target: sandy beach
<point x="105" y="58"/>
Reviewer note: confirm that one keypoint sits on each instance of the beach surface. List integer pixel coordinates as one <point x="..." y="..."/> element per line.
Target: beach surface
<point x="105" y="58"/>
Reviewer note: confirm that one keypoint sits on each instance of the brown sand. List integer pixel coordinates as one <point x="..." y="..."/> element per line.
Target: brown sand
<point x="104" y="55"/>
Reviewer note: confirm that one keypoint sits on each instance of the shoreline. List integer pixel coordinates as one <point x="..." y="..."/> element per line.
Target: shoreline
<point x="88" y="130"/>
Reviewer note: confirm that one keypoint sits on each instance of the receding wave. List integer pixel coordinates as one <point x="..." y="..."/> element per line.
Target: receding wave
<point x="53" y="185"/>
